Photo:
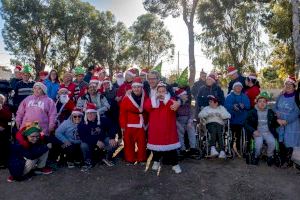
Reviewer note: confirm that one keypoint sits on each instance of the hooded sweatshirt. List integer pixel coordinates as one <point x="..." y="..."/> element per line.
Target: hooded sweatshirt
<point x="218" y="114"/>
<point x="37" y="108"/>
<point x="67" y="131"/>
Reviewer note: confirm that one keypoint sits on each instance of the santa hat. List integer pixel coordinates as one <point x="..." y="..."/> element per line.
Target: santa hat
<point x="107" y="80"/>
<point x="252" y="76"/>
<point x="43" y="73"/>
<point x="212" y="77"/>
<point x="144" y="72"/>
<point x="77" y="111"/>
<point x="100" y="69"/>
<point x="161" y="84"/>
<point x="62" y="90"/>
<point x="290" y="79"/>
<point x="212" y="98"/>
<point x="231" y="70"/>
<point x="42" y="86"/>
<point x="18" y="68"/>
<point x="237" y="84"/>
<point x="94" y="80"/>
<point x="137" y="81"/>
<point x="91" y="108"/>
<point x="131" y="72"/>
<point x="180" y="92"/>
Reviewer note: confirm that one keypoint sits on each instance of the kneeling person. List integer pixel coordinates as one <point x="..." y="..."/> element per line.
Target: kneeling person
<point x="96" y="133"/>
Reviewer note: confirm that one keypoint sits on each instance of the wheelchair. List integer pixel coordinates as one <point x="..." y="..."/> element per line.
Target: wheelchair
<point x="203" y="137"/>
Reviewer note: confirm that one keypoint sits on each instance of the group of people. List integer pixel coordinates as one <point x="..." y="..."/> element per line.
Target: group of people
<point x="84" y="118"/>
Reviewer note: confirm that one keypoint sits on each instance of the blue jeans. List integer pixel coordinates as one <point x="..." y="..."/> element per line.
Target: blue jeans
<point x="88" y="150"/>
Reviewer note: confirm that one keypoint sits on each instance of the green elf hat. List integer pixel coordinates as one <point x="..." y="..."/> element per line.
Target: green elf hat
<point x="79" y="70"/>
<point x="32" y="128"/>
<point x="27" y="69"/>
<point x="263" y="95"/>
<point x="183" y="79"/>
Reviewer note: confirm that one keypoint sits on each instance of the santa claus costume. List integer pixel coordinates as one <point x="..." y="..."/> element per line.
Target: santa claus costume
<point x="122" y="90"/>
<point x="162" y="133"/>
<point x="132" y="122"/>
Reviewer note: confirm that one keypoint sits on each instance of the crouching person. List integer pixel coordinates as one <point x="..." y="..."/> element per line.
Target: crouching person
<point x="68" y="135"/>
<point x="28" y="154"/>
<point x="96" y="134"/>
<point x="214" y="116"/>
<point x="261" y="124"/>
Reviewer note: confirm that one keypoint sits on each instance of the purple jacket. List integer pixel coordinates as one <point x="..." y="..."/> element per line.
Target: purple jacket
<point x="41" y="109"/>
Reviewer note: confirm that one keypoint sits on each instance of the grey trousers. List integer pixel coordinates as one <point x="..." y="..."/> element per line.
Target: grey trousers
<point x="182" y="127"/>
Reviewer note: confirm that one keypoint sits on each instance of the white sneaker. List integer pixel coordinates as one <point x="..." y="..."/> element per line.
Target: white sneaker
<point x="213" y="151"/>
<point x="176" y="169"/>
<point x="222" y="155"/>
<point x="155" y="165"/>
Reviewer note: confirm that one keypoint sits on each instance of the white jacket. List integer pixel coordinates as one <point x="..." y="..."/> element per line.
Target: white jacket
<point x="218" y="114"/>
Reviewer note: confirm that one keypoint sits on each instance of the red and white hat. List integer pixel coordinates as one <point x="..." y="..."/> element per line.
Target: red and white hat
<point x="179" y="92"/>
<point x="231" y="70"/>
<point x="106" y="80"/>
<point x="18" y="68"/>
<point x="131" y="72"/>
<point x="252" y="76"/>
<point x="212" y="76"/>
<point x="43" y="73"/>
<point x="62" y="90"/>
<point x="290" y="79"/>
<point x="144" y="72"/>
<point x="77" y="111"/>
<point x="100" y="69"/>
<point x="90" y="107"/>
<point x="137" y="81"/>
<point x="161" y="84"/>
<point x="94" y="80"/>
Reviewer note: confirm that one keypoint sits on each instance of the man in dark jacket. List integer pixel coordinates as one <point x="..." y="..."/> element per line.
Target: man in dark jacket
<point x="235" y="77"/>
<point x="198" y="84"/>
<point x="96" y="134"/>
<point x="210" y="88"/>
<point x="89" y="74"/>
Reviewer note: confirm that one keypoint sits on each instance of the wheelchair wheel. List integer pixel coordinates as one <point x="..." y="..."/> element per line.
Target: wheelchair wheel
<point x="243" y="142"/>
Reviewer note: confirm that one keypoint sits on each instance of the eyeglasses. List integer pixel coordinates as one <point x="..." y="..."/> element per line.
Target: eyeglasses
<point x="76" y="116"/>
<point x="31" y="136"/>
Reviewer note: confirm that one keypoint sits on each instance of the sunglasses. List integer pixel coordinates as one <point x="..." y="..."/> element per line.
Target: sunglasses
<point x="77" y="116"/>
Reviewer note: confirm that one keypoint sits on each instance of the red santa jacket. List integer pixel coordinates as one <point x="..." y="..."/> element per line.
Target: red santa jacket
<point x="131" y="114"/>
<point x="252" y="93"/>
<point x="121" y="92"/>
<point x="162" y="132"/>
<point x="72" y="87"/>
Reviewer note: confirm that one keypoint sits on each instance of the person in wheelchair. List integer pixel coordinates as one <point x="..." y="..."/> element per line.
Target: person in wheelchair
<point x="261" y="124"/>
<point x="214" y="116"/>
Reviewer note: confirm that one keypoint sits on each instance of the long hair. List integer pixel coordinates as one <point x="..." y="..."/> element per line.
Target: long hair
<point x="254" y="81"/>
<point x="49" y="77"/>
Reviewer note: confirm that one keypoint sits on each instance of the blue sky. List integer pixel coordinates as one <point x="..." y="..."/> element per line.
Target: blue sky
<point x="127" y="11"/>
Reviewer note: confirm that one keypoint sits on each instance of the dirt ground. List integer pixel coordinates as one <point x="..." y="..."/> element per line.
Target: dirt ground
<point x="201" y="179"/>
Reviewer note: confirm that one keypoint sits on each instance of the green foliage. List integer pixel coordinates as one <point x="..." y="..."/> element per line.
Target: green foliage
<point x="231" y="33"/>
<point x="151" y="40"/>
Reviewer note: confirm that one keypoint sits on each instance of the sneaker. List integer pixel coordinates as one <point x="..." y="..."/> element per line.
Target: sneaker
<point x="45" y="171"/>
<point x="108" y="162"/>
<point x="10" y="179"/>
<point x="86" y="167"/>
<point x="155" y="165"/>
<point x="70" y="165"/>
<point x="222" y="155"/>
<point x="176" y="169"/>
<point x="213" y="151"/>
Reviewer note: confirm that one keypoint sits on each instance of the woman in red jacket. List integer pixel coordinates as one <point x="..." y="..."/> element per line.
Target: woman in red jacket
<point x="253" y="89"/>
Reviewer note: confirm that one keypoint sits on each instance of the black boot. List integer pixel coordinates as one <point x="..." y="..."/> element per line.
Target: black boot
<point x="270" y="161"/>
<point x="256" y="161"/>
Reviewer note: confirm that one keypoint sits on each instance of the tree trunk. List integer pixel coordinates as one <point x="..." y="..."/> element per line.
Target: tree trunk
<point x="296" y="39"/>
<point x="192" y="66"/>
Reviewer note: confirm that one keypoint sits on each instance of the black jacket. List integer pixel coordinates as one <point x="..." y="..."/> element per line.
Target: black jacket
<point x="251" y="122"/>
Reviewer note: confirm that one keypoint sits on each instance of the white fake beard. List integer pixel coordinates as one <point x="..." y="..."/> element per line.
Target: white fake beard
<point x="64" y="98"/>
<point x="120" y="81"/>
